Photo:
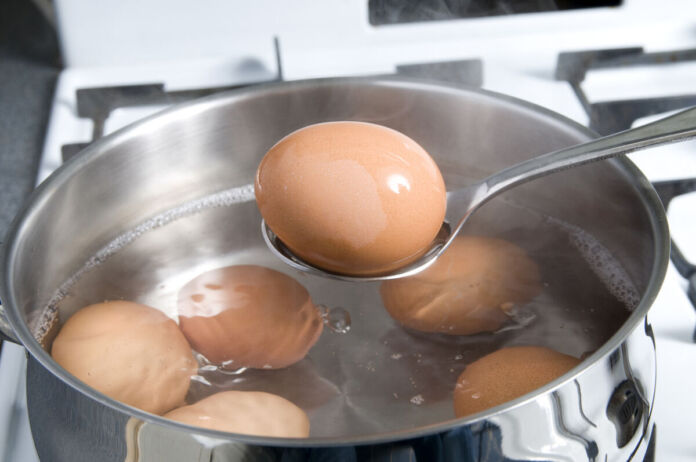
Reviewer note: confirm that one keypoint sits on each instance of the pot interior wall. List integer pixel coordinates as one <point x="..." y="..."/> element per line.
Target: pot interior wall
<point x="118" y="218"/>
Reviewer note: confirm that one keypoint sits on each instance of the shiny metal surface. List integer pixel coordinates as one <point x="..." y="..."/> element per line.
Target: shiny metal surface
<point x="6" y="332"/>
<point x="462" y="203"/>
<point x="568" y="424"/>
<point x="197" y="150"/>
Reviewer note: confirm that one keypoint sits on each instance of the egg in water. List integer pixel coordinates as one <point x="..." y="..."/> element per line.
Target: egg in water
<point x="246" y="412"/>
<point x="507" y="374"/>
<point x="248" y="316"/>
<point x="130" y="352"/>
<point x="467" y="290"/>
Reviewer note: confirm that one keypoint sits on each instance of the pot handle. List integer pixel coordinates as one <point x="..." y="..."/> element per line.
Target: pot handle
<point x="6" y="332"/>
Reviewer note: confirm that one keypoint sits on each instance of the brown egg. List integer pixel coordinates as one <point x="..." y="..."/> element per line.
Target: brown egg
<point x="248" y="316"/>
<point x="467" y="290"/>
<point x="351" y="197"/>
<point x="247" y="412"/>
<point x="130" y="352"/>
<point x="507" y="374"/>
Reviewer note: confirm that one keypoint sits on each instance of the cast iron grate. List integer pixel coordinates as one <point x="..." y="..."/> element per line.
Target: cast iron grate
<point x="97" y="103"/>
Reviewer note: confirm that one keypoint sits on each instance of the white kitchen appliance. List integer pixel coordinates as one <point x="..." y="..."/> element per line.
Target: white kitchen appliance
<point x="127" y="59"/>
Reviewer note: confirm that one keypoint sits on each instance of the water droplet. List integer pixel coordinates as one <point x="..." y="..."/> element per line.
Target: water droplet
<point x="338" y="320"/>
<point x="476" y="395"/>
<point x="417" y="400"/>
<point x="396" y="356"/>
<point x="458" y="357"/>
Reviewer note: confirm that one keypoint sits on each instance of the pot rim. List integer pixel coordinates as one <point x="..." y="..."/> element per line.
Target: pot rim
<point x="628" y="169"/>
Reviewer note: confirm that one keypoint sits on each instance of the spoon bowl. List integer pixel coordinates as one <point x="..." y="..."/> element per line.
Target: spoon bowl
<point x="462" y="203"/>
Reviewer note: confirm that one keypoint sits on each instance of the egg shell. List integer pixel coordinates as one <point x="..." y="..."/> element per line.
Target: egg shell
<point x="507" y="374"/>
<point x="467" y="290"/>
<point x="351" y="197"/>
<point x="246" y="412"/>
<point x="131" y="352"/>
<point x="248" y="316"/>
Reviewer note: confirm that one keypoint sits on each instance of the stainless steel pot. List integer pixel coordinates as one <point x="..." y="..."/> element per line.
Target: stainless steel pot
<point x="140" y="211"/>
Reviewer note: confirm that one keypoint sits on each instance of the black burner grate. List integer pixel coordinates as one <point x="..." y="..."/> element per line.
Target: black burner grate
<point x="97" y="103"/>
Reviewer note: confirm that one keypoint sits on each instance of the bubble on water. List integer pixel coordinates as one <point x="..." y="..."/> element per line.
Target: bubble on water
<point x="396" y="356"/>
<point x="520" y="317"/>
<point x="201" y="379"/>
<point x="237" y="371"/>
<point x="417" y="400"/>
<point x="323" y="311"/>
<point x="337" y="320"/>
<point x="224" y="198"/>
<point x="602" y="263"/>
<point x="458" y="357"/>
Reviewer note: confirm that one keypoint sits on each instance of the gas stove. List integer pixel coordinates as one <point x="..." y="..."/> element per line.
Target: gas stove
<point x="610" y="68"/>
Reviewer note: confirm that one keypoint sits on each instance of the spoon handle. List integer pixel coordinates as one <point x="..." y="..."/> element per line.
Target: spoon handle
<point x="678" y="127"/>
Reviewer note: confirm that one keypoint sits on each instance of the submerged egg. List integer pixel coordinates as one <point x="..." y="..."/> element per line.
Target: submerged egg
<point x="507" y="374"/>
<point x="130" y="352"/>
<point x="467" y="290"/>
<point x="351" y="197"/>
<point x="248" y="316"/>
<point x="246" y="412"/>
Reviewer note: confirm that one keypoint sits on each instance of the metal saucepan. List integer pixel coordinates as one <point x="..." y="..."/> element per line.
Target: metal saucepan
<point x="141" y="211"/>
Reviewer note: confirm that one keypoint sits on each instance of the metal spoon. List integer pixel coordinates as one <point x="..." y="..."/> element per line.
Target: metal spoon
<point x="462" y="203"/>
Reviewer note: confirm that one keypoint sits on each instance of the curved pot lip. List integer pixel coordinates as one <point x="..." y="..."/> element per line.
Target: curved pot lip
<point x="642" y="186"/>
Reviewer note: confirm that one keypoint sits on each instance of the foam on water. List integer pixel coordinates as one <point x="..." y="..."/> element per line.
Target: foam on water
<point x="613" y="276"/>
<point x="224" y="198"/>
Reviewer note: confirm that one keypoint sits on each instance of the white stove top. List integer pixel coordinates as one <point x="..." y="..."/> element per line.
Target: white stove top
<point x="519" y="57"/>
